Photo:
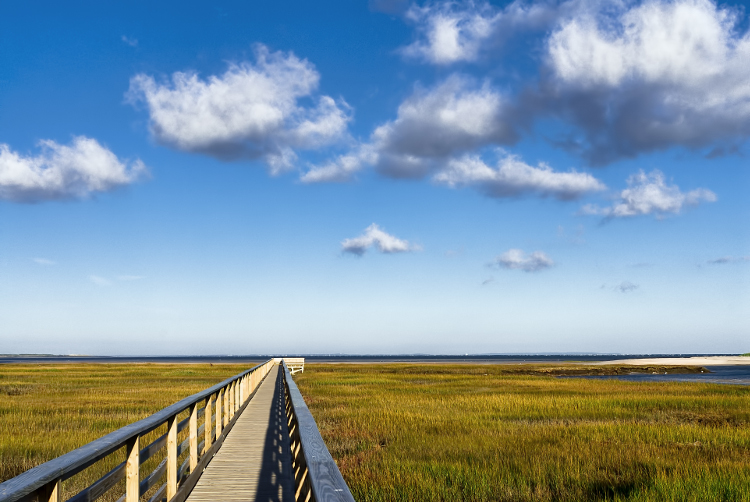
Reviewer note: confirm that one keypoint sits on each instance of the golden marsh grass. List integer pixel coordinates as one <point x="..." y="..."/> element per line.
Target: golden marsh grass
<point x="419" y="432"/>
<point x="48" y="410"/>
<point x="501" y="432"/>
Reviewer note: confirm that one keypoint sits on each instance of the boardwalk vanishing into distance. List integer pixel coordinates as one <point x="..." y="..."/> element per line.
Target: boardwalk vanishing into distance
<point x="259" y="443"/>
<point x="255" y="462"/>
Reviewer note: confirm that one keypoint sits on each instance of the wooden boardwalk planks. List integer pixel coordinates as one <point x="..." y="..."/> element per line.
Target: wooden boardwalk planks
<point x="254" y="463"/>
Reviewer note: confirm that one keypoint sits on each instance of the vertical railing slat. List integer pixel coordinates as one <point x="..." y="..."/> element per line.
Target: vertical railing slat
<point x="193" y="436"/>
<point x="207" y="436"/>
<point x="132" y="470"/>
<point x="171" y="457"/>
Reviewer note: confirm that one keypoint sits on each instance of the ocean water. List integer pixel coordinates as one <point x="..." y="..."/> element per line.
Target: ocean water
<point x="735" y="375"/>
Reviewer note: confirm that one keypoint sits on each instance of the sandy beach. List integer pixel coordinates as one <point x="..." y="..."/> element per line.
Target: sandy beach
<point x="684" y="361"/>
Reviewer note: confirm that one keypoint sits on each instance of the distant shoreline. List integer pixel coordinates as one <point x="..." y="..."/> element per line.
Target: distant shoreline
<point x="629" y="359"/>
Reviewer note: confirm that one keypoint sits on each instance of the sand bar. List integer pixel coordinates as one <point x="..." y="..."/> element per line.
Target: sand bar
<point x="684" y="361"/>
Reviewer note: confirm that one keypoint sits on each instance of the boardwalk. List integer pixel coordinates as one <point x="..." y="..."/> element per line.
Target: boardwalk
<point x="254" y="463"/>
<point x="249" y="458"/>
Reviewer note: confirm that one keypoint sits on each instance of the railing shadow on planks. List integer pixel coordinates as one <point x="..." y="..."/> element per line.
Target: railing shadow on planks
<point x="317" y="477"/>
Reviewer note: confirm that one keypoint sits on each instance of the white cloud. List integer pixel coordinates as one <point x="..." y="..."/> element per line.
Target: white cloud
<point x="448" y="32"/>
<point x="132" y="42"/>
<point x="340" y="169"/>
<point x="380" y="240"/>
<point x="43" y="261"/>
<point x="516" y="259"/>
<point x="455" y="116"/>
<point x="431" y="125"/>
<point x="652" y="75"/>
<point x="61" y="172"/>
<point x="452" y="32"/>
<point x="513" y="177"/>
<point x="100" y="281"/>
<point x="650" y="194"/>
<point x="687" y="43"/>
<point x="251" y="111"/>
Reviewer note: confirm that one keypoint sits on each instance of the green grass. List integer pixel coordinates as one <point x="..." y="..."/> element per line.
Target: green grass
<point x="503" y="432"/>
<point x="47" y="410"/>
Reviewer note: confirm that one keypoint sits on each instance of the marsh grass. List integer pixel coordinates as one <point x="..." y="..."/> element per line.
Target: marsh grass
<point x="49" y="410"/>
<point x="504" y="432"/>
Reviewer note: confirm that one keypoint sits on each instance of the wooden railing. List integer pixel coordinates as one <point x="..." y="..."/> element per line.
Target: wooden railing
<point x="316" y="476"/>
<point x="219" y="406"/>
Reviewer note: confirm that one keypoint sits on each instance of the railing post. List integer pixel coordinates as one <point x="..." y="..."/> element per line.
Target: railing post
<point x="207" y="436"/>
<point x="234" y="395"/>
<point x="132" y="469"/>
<point x="226" y="405"/>
<point x="193" y="436"/>
<point x="218" y="414"/>
<point x="50" y="492"/>
<point x="230" y="395"/>
<point x="231" y="401"/>
<point x="171" y="457"/>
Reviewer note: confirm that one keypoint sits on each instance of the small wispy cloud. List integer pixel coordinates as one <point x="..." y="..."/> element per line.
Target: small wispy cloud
<point x="374" y="237"/>
<point x="626" y="287"/>
<point x="488" y="281"/>
<point x="729" y="259"/>
<point x="574" y="237"/>
<point x="100" y="281"/>
<point x="132" y="42"/>
<point x="43" y="261"/>
<point x="516" y="259"/>
<point x="130" y="277"/>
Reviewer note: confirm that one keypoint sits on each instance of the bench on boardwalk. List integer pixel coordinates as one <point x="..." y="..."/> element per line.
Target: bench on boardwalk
<point x="295" y="364"/>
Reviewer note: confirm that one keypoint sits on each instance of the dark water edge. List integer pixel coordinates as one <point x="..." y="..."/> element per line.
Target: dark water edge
<point x="341" y="358"/>
<point x="733" y="375"/>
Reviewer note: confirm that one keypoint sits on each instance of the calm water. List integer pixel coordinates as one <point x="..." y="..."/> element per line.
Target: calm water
<point x="736" y="375"/>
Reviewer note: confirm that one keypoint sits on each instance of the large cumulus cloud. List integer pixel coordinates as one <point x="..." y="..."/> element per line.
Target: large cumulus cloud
<point x="649" y="76"/>
<point x="252" y="111"/>
<point x="78" y="170"/>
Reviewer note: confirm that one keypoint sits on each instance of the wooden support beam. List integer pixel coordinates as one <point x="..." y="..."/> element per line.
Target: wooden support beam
<point x="132" y="469"/>
<point x="226" y="405"/>
<point x="50" y="492"/>
<point x="171" y="457"/>
<point x="193" y="436"/>
<point x="207" y="436"/>
<point x="218" y="414"/>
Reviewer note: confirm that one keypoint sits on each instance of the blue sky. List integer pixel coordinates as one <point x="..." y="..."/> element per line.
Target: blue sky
<point x="382" y="177"/>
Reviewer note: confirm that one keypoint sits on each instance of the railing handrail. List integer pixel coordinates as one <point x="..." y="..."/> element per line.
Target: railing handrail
<point x="326" y="482"/>
<point x="71" y="463"/>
